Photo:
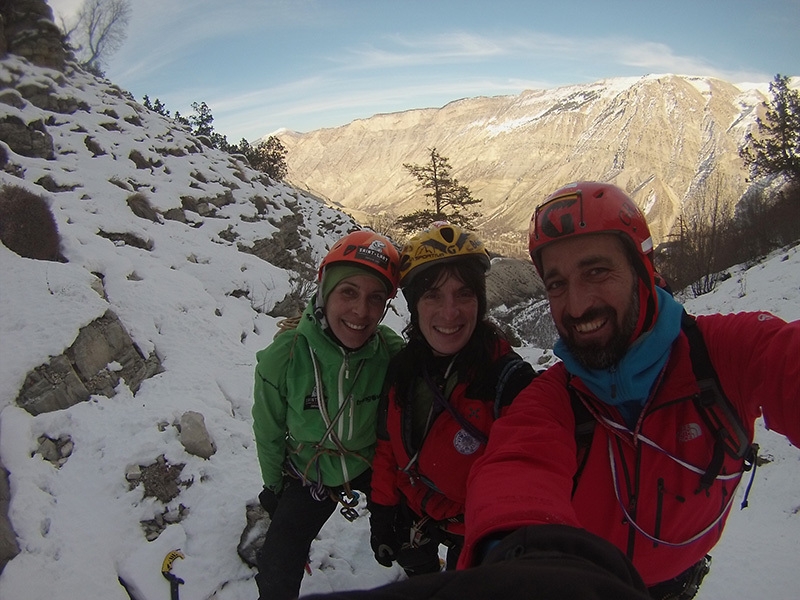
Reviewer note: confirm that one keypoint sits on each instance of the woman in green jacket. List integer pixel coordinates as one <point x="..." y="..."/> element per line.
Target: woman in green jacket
<point x="315" y="405"/>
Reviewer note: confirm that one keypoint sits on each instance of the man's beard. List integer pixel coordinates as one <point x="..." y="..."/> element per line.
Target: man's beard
<point x="596" y="355"/>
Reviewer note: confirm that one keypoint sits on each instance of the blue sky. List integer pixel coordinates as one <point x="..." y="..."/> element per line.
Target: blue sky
<point x="261" y="65"/>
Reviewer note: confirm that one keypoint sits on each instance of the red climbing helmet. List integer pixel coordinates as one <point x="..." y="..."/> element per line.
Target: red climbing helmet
<point x="369" y="250"/>
<point x="588" y="207"/>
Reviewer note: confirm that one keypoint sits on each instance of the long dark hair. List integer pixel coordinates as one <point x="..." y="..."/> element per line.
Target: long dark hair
<point x="474" y="360"/>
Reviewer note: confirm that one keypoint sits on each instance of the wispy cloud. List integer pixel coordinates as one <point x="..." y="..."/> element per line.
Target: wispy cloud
<point x="408" y="51"/>
<point x="469" y="48"/>
<point x="660" y="58"/>
<point x="316" y="100"/>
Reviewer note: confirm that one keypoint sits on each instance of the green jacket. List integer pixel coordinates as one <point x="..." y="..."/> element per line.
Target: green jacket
<point x="287" y="420"/>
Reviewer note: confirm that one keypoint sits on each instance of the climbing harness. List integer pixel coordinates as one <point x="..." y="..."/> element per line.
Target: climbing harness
<point x="347" y="497"/>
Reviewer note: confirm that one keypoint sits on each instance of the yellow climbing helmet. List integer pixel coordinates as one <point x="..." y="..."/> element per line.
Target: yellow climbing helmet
<point x="441" y="242"/>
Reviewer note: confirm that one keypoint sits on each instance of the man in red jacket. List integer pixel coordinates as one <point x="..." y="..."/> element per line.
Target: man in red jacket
<point x="657" y="476"/>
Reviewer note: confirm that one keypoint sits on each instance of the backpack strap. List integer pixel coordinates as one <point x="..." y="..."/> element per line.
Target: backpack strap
<point x="514" y="375"/>
<point x="584" y="432"/>
<point x="714" y="407"/>
<point x="438" y="398"/>
<point x="730" y="436"/>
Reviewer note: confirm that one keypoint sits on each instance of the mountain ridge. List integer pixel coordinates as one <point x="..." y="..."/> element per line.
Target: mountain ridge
<point x="660" y="137"/>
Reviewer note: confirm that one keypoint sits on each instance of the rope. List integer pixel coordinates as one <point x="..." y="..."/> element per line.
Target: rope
<point x="319" y="491"/>
<point x="637" y="527"/>
<point x="287" y="324"/>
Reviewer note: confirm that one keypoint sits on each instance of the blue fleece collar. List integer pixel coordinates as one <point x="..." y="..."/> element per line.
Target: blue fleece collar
<point x="627" y="385"/>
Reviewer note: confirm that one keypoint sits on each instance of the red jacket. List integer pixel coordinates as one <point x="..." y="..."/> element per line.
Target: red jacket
<point x="435" y="483"/>
<point x="526" y="475"/>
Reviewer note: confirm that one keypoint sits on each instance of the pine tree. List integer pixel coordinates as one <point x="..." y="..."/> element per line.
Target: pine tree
<point x="268" y="156"/>
<point x="776" y="148"/>
<point x="448" y="196"/>
<point x="156" y="106"/>
<point x="271" y="158"/>
<point x="201" y="124"/>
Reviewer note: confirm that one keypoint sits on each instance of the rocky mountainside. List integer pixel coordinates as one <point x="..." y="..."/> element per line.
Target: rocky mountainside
<point x="140" y="210"/>
<point x="658" y="137"/>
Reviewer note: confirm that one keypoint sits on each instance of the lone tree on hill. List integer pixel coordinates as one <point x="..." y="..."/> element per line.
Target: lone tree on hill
<point x="98" y="31"/>
<point x="776" y="148"/>
<point x="449" y="197"/>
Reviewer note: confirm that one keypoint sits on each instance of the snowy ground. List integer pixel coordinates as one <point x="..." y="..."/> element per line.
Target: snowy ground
<point x="78" y="526"/>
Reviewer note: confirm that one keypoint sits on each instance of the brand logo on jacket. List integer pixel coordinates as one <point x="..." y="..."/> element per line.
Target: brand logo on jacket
<point x="464" y="443"/>
<point x="310" y="402"/>
<point x="368" y="399"/>
<point x="689" y="432"/>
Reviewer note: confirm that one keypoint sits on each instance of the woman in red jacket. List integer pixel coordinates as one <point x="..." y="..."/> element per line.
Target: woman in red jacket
<point x="443" y="392"/>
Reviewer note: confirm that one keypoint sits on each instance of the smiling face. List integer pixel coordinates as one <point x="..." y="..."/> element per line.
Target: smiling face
<point x="354" y="308"/>
<point x="448" y="314"/>
<point x="593" y="294"/>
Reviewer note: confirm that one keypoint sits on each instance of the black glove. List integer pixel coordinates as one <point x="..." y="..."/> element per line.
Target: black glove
<point x="573" y="560"/>
<point x="383" y="535"/>
<point x="268" y="500"/>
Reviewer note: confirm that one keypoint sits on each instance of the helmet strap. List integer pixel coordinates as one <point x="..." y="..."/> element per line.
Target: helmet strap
<point x="648" y="307"/>
<point x="319" y="303"/>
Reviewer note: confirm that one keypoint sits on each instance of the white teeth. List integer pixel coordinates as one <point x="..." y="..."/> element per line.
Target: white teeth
<point x="447" y="330"/>
<point x="589" y="327"/>
<point x="354" y="326"/>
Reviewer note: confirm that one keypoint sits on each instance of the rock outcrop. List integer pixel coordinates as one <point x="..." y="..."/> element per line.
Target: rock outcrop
<point x="8" y="540"/>
<point x="102" y="354"/>
<point x="27" y="29"/>
<point x="77" y="141"/>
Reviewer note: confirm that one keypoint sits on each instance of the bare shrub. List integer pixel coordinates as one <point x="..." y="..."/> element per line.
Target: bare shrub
<point x="692" y="255"/>
<point x="141" y="207"/>
<point x="706" y="242"/>
<point x="27" y="226"/>
<point x="786" y="215"/>
<point x="295" y="301"/>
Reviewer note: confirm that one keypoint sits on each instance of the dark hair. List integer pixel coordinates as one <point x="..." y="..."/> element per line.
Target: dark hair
<point x="475" y="359"/>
